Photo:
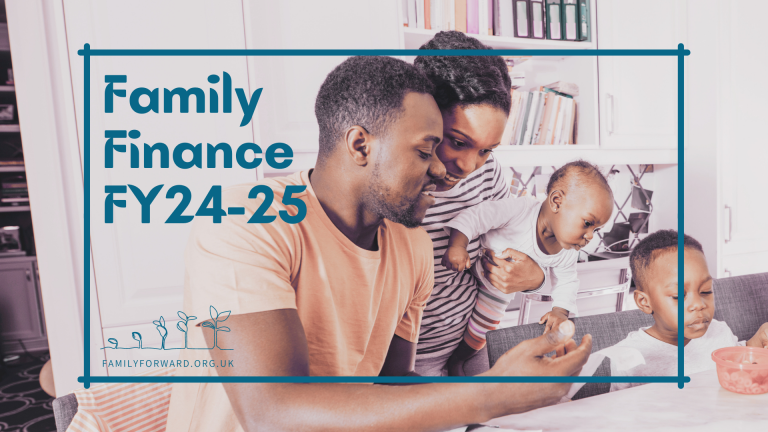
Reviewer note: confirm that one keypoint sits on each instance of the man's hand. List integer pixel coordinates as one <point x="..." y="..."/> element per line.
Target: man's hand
<point x="456" y="258"/>
<point x="527" y="359"/>
<point x="553" y="318"/>
<point x="760" y="339"/>
<point x="512" y="272"/>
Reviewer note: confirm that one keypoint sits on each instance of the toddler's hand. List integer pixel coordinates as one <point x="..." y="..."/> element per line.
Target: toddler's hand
<point x="554" y="318"/>
<point x="456" y="258"/>
<point x="760" y="340"/>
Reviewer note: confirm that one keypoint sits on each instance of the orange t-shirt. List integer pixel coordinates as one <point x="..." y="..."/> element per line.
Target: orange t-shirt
<point x="350" y="301"/>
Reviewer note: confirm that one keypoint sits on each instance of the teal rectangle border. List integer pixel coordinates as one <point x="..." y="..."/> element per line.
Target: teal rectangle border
<point x="87" y="379"/>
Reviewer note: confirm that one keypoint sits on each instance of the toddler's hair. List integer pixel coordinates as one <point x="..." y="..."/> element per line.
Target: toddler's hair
<point x="650" y="248"/>
<point x="579" y="168"/>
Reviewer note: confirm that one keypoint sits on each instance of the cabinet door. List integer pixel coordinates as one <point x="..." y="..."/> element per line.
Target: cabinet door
<point x="287" y="106"/>
<point x="744" y="154"/>
<point x="139" y="268"/>
<point x="20" y="315"/>
<point x="638" y="95"/>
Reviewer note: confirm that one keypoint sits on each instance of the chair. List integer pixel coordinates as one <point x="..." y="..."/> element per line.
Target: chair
<point x="588" y="272"/>
<point x="741" y="302"/>
<point x="116" y="406"/>
<point x="606" y="330"/>
<point x="64" y="410"/>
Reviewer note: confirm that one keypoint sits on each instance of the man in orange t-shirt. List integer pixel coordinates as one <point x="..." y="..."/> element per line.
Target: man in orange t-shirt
<point x="341" y="292"/>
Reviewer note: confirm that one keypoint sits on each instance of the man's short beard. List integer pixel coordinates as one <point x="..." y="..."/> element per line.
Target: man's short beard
<point x="378" y="199"/>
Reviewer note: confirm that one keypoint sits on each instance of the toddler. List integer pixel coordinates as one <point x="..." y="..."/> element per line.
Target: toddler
<point x="579" y="202"/>
<point x="652" y="351"/>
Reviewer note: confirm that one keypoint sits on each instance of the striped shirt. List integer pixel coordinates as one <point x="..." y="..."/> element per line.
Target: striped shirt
<point x="454" y="294"/>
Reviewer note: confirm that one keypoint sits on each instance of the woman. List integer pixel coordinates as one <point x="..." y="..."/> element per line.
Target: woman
<point x="473" y="94"/>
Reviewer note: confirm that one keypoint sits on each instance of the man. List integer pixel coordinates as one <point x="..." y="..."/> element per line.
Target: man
<point x="342" y="292"/>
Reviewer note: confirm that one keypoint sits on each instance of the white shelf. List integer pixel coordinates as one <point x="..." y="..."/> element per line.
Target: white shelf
<point x="13" y="209"/>
<point x="10" y="128"/>
<point x="559" y="155"/>
<point x="7" y="88"/>
<point x="12" y="168"/>
<point x="414" y="38"/>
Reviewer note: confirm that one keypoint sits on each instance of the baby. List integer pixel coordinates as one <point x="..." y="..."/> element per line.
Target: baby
<point x="579" y="202"/>
<point x="652" y="351"/>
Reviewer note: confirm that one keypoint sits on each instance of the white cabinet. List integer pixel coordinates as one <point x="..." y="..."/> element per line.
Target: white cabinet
<point x="21" y="311"/>
<point x="138" y="267"/>
<point x="743" y="147"/>
<point x="638" y="95"/>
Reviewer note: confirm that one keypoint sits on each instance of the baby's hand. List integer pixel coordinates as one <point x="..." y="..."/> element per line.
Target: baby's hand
<point x="760" y="340"/>
<point x="456" y="258"/>
<point x="554" y="318"/>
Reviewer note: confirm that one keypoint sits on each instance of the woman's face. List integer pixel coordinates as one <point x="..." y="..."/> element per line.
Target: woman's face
<point x="469" y="135"/>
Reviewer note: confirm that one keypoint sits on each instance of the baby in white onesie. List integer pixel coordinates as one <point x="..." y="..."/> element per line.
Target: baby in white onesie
<point x="579" y="202"/>
<point x="652" y="351"/>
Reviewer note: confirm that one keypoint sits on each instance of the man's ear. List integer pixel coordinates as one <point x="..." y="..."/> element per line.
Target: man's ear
<point x="555" y="200"/>
<point x="357" y="143"/>
<point x="643" y="301"/>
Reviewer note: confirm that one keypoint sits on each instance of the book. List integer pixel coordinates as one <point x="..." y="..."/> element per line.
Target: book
<point x="569" y="18"/>
<point x="506" y="25"/>
<point x="524" y="119"/>
<point x="522" y="20"/>
<point x="572" y="129"/>
<point x="486" y="17"/>
<point x="436" y="14"/>
<point x="427" y="14"/>
<point x="411" y="13"/>
<point x="473" y="16"/>
<point x="584" y="27"/>
<point x="561" y="119"/>
<point x="520" y="123"/>
<point x="537" y="20"/>
<point x="451" y="14"/>
<point x="564" y="87"/>
<point x="537" y="121"/>
<point x="554" y="31"/>
<point x="531" y="117"/>
<point x="461" y="15"/>
<point x="552" y="120"/>
<point x="548" y="104"/>
<point x="11" y="162"/>
<point x="420" y="14"/>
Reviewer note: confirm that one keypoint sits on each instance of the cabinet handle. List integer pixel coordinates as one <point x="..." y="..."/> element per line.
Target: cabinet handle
<point x="610" y="112"/>
<point x="727" y="272"/>
<point x="728" y="209"/>
<point x="29" y="275"/>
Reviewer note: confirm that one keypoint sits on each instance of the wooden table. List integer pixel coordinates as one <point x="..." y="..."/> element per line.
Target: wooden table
<point x="702" y="405"/>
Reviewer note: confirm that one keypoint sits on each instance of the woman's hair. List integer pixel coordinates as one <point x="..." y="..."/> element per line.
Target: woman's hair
<point x="462" y="81"/>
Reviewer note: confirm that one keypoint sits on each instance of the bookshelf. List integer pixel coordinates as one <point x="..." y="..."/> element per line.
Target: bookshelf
<point x="543" y="70"/>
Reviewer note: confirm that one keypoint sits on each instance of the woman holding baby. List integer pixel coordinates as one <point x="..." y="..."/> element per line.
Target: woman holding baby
<point x="473" y="94"/>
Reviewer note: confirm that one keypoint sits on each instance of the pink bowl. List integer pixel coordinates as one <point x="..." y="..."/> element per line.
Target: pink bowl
<point x="742" y="369"/>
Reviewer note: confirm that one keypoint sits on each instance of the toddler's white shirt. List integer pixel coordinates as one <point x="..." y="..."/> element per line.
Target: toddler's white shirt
<point x="641" y="354"/>
<point x="511" y="223"/>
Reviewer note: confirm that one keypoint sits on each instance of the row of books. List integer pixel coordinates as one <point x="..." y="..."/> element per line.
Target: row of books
<point x="541" y="117"/>
<point x="536" y="19"/>
<point x="13" y="190"/>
